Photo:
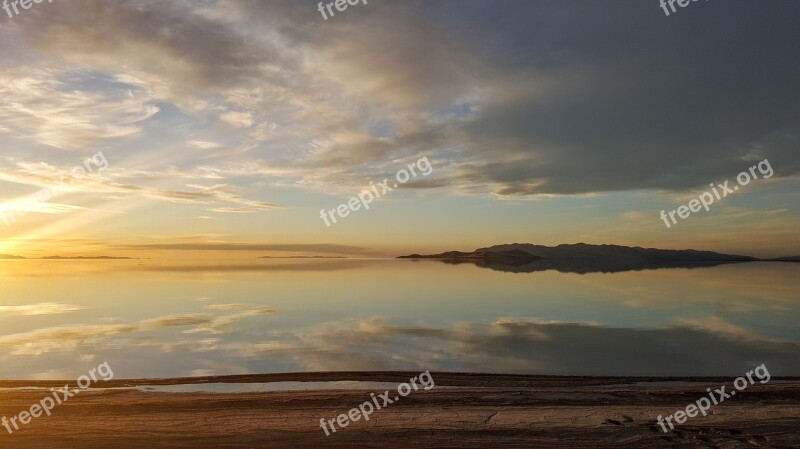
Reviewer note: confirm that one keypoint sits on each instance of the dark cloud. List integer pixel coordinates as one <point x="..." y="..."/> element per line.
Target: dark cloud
<point x="553" y="96"/>
<point x="573" y="97"/>
<point x="692" y="348"/>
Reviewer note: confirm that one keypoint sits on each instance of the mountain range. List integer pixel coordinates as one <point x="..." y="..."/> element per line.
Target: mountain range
<point x="586" y="258"/>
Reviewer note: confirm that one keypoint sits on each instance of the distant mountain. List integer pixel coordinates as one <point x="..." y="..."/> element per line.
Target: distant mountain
<point x="86" y="258"/>
<point x="617" y="252"/>
<point x="787" y="259"/>
<point x="485" y="254"/>
<point x="10" y="256"/>
<point x="302" y="257"/>
<point x="581" y="258"/>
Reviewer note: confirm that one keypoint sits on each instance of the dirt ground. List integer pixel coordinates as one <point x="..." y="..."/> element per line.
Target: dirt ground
<point x="462" y="411"/>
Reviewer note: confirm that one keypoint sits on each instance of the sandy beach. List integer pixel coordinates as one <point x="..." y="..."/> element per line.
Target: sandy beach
<point x="462" y="411"/>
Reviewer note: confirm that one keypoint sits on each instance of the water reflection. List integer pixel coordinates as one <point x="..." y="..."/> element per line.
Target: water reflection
<point x="583" y="266"/>
<point x="279" y="316"/>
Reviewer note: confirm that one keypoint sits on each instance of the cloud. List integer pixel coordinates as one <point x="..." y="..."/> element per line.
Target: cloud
<point x="226" y="246"/>
<point x="531" y="346"/>
<point x="227" y="306"/>
<point x="59" y="181"/>
<point x="203" y="144"/>
<point x="238" y="119"/>
<point x="43" y="105"/>
<point x="70" y="338"/>
<point x="708" y="346"/>
<point x="215" y="193"/>
<point x="65" y="338"/>
<point x="219" y="324"/>
<point x="47" y="308"/>
<point x="174" y="320"/>
<point x="721" y="327"/>
<point x="529" y="111"/>
<point x="512" y="99"/>
<point x="172" y="49"/>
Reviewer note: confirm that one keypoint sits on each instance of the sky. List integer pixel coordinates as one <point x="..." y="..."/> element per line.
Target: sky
<point x="225" y="127"/>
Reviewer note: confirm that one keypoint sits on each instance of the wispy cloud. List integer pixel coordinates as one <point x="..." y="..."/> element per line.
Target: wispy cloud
<point x="241" y="106"/>
<point x="43" y="104"/>
<point x="47" y="308"/>
<point x="68" y="338"/>
<point x="225" y="246"/>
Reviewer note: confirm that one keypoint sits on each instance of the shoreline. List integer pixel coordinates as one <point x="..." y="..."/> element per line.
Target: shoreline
<point x="453" y="379"/>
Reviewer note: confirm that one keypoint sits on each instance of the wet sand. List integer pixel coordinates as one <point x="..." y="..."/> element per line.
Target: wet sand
<point x="462" y="411"/>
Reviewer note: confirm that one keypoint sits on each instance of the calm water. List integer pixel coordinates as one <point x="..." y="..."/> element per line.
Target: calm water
<point x="58" y="319"/>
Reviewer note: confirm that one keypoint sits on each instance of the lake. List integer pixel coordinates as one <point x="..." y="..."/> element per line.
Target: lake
<point x="188" y="318"/>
